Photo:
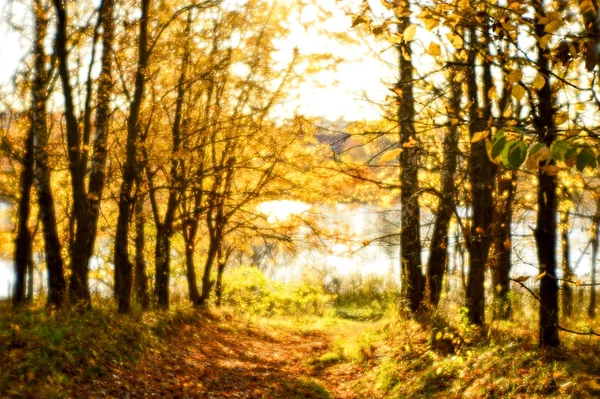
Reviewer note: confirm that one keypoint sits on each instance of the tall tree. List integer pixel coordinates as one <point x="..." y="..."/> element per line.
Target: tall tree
<point x="500" y="262"/>
<point x="438" y="250"/>
<point x="86" y="200"/>
<point x="56" y="278"/>
<point x="413" y="281"/>
<point x="547" y="203"/>
<point x="123" y="266"/>
<point x="23" y="241"/>
<point x="482" y="170"/>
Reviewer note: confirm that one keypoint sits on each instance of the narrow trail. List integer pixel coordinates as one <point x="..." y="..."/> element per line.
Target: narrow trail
<point x="220" y="359"/>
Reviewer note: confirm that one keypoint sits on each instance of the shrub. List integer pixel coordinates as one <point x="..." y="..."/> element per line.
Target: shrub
<point x="248" y="290"/>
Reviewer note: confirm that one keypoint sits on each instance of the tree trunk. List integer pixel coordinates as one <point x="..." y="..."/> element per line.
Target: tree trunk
<point x="23" y="241"/>
<point x="413" y="281"/>
<point x="567" y="290"/>
<point x="190" y="273"/>
<point x="123" y="266"/>
<point x="595" y="237"/>
<point x="500" y="263"/>
<point x="141" y="278"/>
<point x="219" y="284"/>
<point x="482" y="174"/>
<point x="162" y="274"/>
<point x="86" y="204"/>
<point x="546" y="230"/>
<point x="56" y="278"/>
<point x="438" y="258"/>
<point x="207" y="283"/>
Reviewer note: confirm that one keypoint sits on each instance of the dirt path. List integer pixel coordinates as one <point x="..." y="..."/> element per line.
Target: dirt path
<point x="221" y="359"/>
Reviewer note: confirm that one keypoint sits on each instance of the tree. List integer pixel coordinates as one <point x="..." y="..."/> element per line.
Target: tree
<point x="482" y="172"/>
<point x="547" y="203"/>
<point x="438" y="249"/>
<point x="56" y="279"/>
<point x="123" y="266"/>
<point x="413" y="281"/>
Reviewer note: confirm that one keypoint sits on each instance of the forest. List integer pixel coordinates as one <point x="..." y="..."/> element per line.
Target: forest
<point x="299" y="198"/>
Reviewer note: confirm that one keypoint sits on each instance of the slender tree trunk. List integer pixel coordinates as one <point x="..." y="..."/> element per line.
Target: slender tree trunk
<point x="141" y="278"/>
<point x="207" y="283"/>
<point x="162" y="274"/>
<point x="219" y="283"/>
<point x="123" y="266"/>
<point x="595" y="238"/>
<point x="546" y="230"/>
<point x="413" y="281"/>
<point x="190" y="273"/>
<point x="482" y="174"/>
<point x="438" y="258"/>
<point x="23" y="241"/>
<point x="567" y="290"/>
<point x="500" y="262"/>
<point x="56" y="278"/>
<point x="30" y="271"/>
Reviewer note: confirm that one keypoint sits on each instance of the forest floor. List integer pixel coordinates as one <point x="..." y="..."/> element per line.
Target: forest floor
<point x="218" y="354"/>
<point x="221" y="358"/>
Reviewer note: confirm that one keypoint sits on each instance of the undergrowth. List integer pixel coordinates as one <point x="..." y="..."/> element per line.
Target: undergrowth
<point x="44" y="355"/>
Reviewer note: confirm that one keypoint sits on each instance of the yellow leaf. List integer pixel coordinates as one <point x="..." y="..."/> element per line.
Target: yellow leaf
<point x="577" y="283"/>
<point x="479" y="230"/>
<point x="518" y="92"/>
<point x="539" y="81"/>
<point x="551" y="170"/>
<point x="478" y="136"/>
<point x="430" y="23"/>
<point x="455" y="39"/>
<point x="586" y="6"/>
<point x="410" y="33"/>
<point x="553" y="26"/>
<point x="438" y="336"/>
<point x="514" y="76"/>
<point x="434" y="49"/>
<point x="541" y="276"/>
<point x="561" y="118"/>
<point x="390" y="155"/>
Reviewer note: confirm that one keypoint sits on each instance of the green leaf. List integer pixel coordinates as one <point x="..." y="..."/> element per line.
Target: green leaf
<point x="536" y="148"/>
<point x="586" y="158"/>
<point x="558" y="149"/>
<point x="514" y="154"/>
<point x="498" y="146"/>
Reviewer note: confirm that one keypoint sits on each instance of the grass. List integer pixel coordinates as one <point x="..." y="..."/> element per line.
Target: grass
<point x="397" y="358"/>
<point x="47" y="354"/>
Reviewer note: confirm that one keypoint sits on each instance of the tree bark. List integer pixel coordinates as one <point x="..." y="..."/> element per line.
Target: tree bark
<point x="86" y="203"/>
<point x="123" y="266"/>
<point x="595" y="238"/>
<point x="413" y="281"/>
<point x="141" y="278"/>
<point x="482" y="174"/>
<point x="438" y="258"/>
<point x="546" y="230"/>
<point x="23" y="241"/>
<point x="567" y="290"/>
<point x="500" y="263"/>
<point x="56" y="279"/>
